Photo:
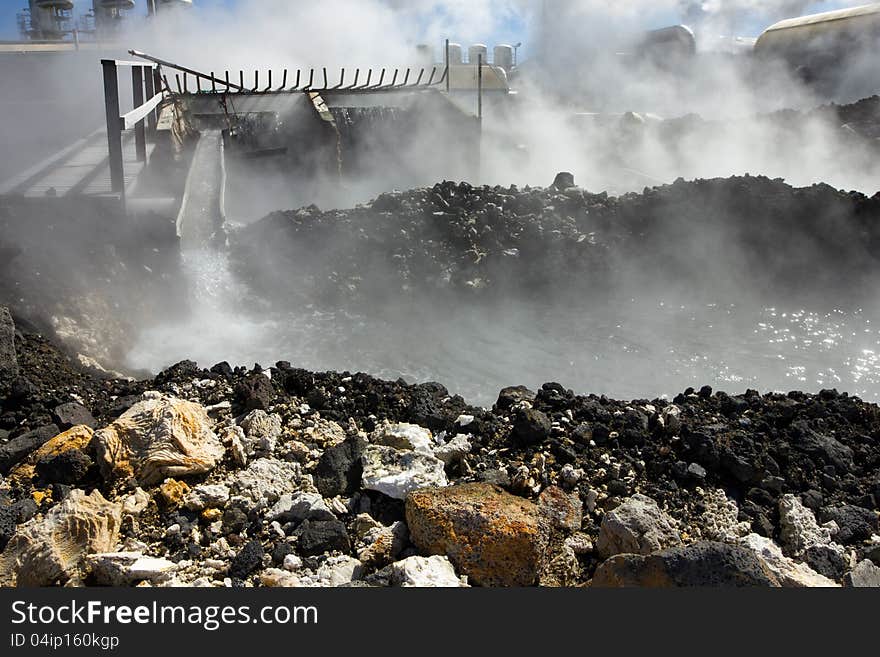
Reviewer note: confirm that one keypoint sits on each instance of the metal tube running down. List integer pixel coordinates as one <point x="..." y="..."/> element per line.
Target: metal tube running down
<point x="140" y="130"/>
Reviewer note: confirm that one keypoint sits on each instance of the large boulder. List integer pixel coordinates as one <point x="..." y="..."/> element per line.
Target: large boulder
<point x="702" y="564"/>
<point x="158" y="437"/>
<point x="638" y="526"/>
<point x="52" y="549"/>
<point x="493" y="537"/>
<point x="8" y="361"/>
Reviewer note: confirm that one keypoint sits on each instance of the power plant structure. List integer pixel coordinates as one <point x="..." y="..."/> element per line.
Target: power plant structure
<point x="58" y="20"/>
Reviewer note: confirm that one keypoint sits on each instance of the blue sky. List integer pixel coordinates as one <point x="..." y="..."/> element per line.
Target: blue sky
<point x="515" y="29"/>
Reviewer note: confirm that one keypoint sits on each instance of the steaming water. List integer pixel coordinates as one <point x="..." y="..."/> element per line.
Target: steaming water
<point x="628" y="348"/>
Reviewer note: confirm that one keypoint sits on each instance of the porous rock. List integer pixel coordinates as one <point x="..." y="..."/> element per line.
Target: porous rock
<point x="707" y="563"/>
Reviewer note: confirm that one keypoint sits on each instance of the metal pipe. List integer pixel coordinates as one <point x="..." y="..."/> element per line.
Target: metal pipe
<point x="447" y="66"/>
<point x="480" y="86"/>
<point x="140" y="131"/>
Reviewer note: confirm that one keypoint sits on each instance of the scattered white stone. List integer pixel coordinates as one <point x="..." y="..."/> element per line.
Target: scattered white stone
<point x="864" y="575"/>
<point x="292" y="563"/>
<point x="136" y="503"/>
<point x="464" y="420"/>
<point x="579" y="543"/>
<point x="670" y="417"/>
<point x="52" y="548"/>
<point x="569" y="476"/>
<point x="299" y="507"/>
<point x="425" y="572"/>
<point x="363" y="524"/>
<point x="338" y="506"/>
<point x="265" y="480"/>
<point x="233" y="437"/>
<point x="262" y="431"/>
<point x="789" y="572"/>
<point x="337" y="571"/>
<point x="395" y="473"/>
<point x="404" y="437"/>
<point x="325" y="433"/>
<point x="125" y="568"/>
<point x="206" y="496"/>
<point x="454" y="450"/>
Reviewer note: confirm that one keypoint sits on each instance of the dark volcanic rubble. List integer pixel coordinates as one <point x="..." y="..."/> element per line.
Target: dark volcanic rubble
<point x="745" y="235"/>
<point x="284" y="477"/>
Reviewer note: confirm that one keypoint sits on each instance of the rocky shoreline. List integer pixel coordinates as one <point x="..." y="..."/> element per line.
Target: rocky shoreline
<point x="284" y="477"/>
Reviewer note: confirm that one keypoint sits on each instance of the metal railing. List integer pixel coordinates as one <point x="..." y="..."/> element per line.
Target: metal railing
<point x="147" y="94"/>
<point x="303" y="80"/>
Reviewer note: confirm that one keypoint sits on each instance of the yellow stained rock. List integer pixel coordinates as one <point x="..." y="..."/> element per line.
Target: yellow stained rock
<point x="159" y="437"/>
<point x="212" y="515"/>
<point x="171" y="492"/>
<point x="76" y="438"/>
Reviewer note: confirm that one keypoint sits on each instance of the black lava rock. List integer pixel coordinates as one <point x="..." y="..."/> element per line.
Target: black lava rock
<point x="280" y="551"/>
<point x="316" y="537"/>
<point x="248" y="559"/>
<point x="255" y="393"/>
<point x="73" y="414"/>
<point x="856" y="524"/>
<point x="13" y="515"/>
<point x="19" y="447"/>
<point x="8" y="361"/>
<point x="69" y="467"/>
<point x="339" y="469"/>
<point x="513" y="395"/>
<point x="234" y="520"/>
<point x="531" y="427"/>
<point x="826" y="561"/>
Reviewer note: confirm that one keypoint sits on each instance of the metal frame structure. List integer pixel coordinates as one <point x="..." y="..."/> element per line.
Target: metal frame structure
<point x="147" y="94"/>
<point x="401" y="80"/>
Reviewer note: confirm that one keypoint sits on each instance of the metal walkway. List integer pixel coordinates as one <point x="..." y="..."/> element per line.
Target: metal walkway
<point x="81" y="169"/>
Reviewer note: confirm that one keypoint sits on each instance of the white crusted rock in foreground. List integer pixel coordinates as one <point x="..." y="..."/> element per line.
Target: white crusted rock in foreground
<point x="787" y="571"/>
<point x="404" y="437"/>
<point x="425" y="572"/>
<point x="126" y="568"/>
<point x="395" y="473"/>
<point x="159" y="437"/>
